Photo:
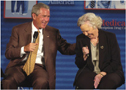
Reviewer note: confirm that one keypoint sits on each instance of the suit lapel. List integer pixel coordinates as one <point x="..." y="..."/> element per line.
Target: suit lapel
<point x="101" y="47"/>
<point x="27" y="33"/>
<point x="86" y="42"/>
<point x="46" y="43"/>
<point x="90" y="60"/>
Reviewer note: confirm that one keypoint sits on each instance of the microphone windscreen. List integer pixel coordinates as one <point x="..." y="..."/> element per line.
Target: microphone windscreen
<point x="35" y="35"/>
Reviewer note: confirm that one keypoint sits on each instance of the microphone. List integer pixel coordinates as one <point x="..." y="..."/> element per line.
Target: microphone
<point x="35" y="36"/>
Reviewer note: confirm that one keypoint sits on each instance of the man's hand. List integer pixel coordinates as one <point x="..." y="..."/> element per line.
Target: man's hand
<point x="30" y="47"/>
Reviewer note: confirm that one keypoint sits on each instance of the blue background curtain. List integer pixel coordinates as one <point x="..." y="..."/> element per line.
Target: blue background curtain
<point x="64" y="17"/>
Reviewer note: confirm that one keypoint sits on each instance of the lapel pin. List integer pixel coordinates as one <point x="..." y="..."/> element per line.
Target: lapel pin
<point x="102" y="47"/>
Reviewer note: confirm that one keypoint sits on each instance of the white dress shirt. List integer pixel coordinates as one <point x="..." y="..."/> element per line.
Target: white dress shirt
<point x="39" y="52"/>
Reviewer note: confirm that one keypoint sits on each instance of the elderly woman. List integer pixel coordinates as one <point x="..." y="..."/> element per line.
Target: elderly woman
<point x="97" y="56"/>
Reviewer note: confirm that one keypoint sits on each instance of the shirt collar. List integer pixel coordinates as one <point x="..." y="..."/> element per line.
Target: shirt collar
<point x="35" y="29"/>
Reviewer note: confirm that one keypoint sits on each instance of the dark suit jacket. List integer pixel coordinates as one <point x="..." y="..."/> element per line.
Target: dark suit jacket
<point x="21" y="36"/>
<point x="109" y="53"/>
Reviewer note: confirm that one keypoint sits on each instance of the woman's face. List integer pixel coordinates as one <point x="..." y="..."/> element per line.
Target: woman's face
<point x="88" y="30"/>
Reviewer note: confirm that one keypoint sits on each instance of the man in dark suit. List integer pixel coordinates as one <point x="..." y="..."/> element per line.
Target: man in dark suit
<point x="97" y="56"/>
<point x="21" y="43"/>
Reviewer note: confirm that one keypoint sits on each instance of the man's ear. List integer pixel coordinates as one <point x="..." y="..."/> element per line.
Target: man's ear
<point x="33" y="15"/>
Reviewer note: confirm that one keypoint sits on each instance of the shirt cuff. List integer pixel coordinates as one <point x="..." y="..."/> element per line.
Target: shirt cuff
<point x="22" y="51"/>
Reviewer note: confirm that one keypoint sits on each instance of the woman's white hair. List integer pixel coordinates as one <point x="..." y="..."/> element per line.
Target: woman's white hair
<point x="95" y="21"/>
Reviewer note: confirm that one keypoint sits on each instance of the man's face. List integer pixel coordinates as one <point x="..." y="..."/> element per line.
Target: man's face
<point x="42" y="19"/>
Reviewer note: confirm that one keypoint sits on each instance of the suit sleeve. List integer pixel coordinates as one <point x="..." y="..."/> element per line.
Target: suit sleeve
<point x="79" y="61"/>
<point x="115" y="55"/>
<point x="12" y="48"/>
<point x="64" y="47"/>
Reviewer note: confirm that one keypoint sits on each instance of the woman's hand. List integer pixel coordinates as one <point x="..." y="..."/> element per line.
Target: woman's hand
<point x="85" y="51"/>
<point x="98" y="78"/>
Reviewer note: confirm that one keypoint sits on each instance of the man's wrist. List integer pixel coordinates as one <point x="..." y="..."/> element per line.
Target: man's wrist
<point x="22" y="51"/>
